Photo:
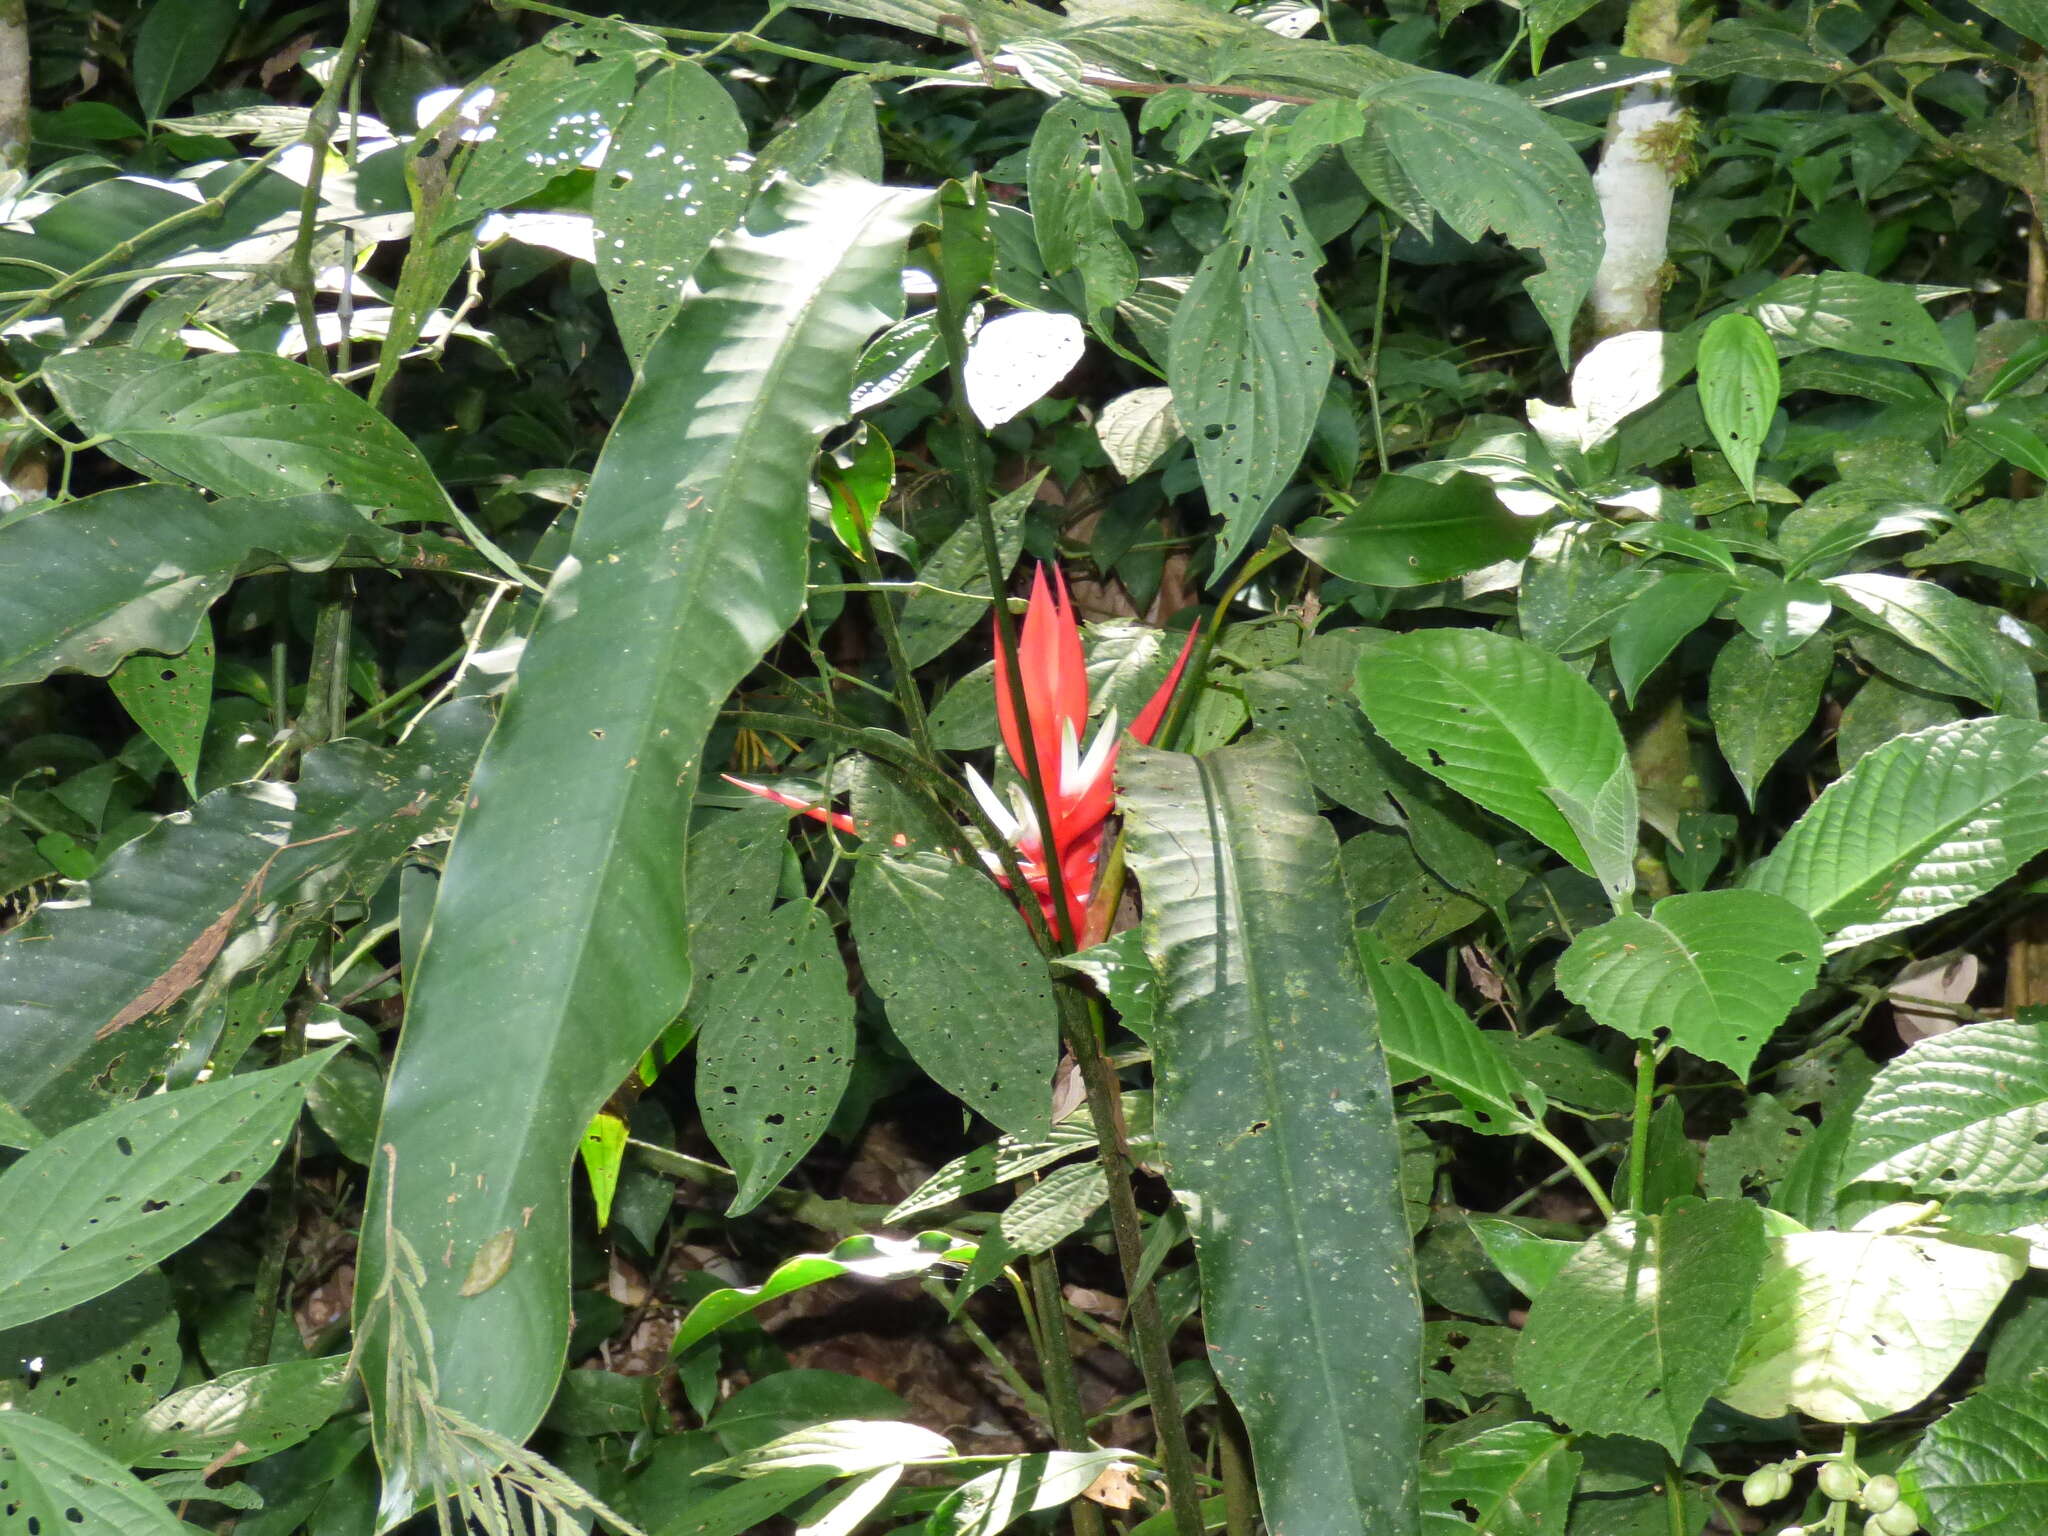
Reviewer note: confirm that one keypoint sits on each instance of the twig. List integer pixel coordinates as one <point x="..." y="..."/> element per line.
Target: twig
<point x="320" y="123"/>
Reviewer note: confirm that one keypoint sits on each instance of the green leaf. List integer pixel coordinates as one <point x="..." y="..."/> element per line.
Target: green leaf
<point x="1001" y="1162"/>
<point x="1277" y="1122"/>
<point x="1528" y="1261"/>
<point x="1312" y="712"/>
<point x="1409" y="532"/>
<point x="865" y="1258"/>
<point x="1881" y="710"/>
<point x="1983" y="1466"/>
<point x="177" y="46"/>
<point x="150" y="930"/>
<point x="998" y="1499"/>
<point x="1716" y="972"/>
<point x="1763" y="702"/>
<point x="774" y="1048"/>
<point x="1953" y="630"/>
<point x="95" y="1367"/>
<point x="170" y="698"/>
<point x="665" y="192"/>
<point x="842" y="1447"/>
<point x="1511" y="1480"/>
<point x="1784" y="615"/>
<point x="240" y="1416"/>
<point x="243" y="424"/>
<point x="1248" y="361"/>
<point x="1082" y="186"/>
<point x="1738" y="370"/>
<point x="1485" y="159"/>
<point x="95" y="580"/>
<point x="1517" y="731"/>
<point x="966" y="990"/>
<point x="1964" y="1112"/>
<point x="932" y="620"/>
<point x="1851" y="1327"/>
<point x="1849" y="312"/>
<point x="1641" y="1327"/>
<point x="1425" y="1033"/>
<point x="101" y="1202"/>
<point x="744" y="1507"/>
<point x="1922" y="825"/>
<point x="1049" y="1212"/>
<point x="1649" y="630"/>
<point x="545" y="114"/>
<point x="556" y="951"/>
<point x="57" y="1482"/>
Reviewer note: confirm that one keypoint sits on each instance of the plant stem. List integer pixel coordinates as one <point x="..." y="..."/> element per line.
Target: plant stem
<point x="907" y="697"/>
<point x="1198" y="663"/>
<point x="1080" y="1019"/>
<point x="1542" y="1134"/>
<point x="1639" y="1128"/>
<point x="1062" y="1386"/>
<point x="320" y="124"/>
<point x="1674" y="1497"/>
<point x="1240" y="1486"/>
<point x="282" y="1216"/>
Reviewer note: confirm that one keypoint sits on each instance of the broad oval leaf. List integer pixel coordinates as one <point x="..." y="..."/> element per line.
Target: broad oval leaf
<point x="1136" y="428"/>
<point x="101" y="1202"/>
<point x="1514" y="729"/>
<point x="1960" y="1112"/>
<point x="1426" y="1033"/>
<point x="557" y="942"/>
<point x="57" y="1482"/>
<point x="1849" y="312"/>
<point x="1015" y="358"/>
<point x="1642" y="1326"/>
<point x="967" y="991"/>
<point x="1920" y="826"/>
<point x="1409" y="532"/>
<point x="1953" y="630"/>
<point x="1715" y="972"/>
<point x="1277" y="1121"/>
<point x="1851" y="1327"/>
<point x="1762" y="701"/>
<point x="239" y="1416"/>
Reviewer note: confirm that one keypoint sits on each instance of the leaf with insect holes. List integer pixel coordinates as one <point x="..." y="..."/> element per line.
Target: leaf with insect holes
<point x="170" y="698"/>
<point x="104" y="1200"/>
<point x="57" y="1482"/>
<point x="1715" y="972"/>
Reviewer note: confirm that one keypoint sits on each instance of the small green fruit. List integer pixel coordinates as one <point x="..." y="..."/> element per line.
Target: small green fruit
<point x="1838" y="1481"/>
<point x="1899" y="1520"/>
<point x="1880" y="1493"/>
<point x="1761" y="1487"/>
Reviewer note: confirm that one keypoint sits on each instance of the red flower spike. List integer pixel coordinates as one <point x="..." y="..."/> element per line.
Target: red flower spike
<point x="1079" y="786"/>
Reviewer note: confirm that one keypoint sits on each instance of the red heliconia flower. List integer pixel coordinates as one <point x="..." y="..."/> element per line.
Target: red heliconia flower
<point x="1079" y="787"/>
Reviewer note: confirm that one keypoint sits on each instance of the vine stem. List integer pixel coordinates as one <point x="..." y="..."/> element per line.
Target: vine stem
<point x="320" y="125"/>
<point x="1080" y="1019"/>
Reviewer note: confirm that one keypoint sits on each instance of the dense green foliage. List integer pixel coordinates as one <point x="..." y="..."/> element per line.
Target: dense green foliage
<point x="577" y="954"/>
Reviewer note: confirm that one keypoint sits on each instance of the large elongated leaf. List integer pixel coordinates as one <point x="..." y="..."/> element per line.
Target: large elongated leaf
<point x="557" y="950"/>
<point x="1643" y="1323"/>
<point x="1409" y="532"/>
<point x="1276" y="1117"/>
<point x="153" y="920"/>
<point x="667" y="190"/>
<point x="57" y="1482"/>
<point x="967" y="991"/>
<point x="1920" y="826"/>
<point x="85" y="583"/>
<point x="1485" y="159"/>
<point x="1854" y="313"/>
<point x="1515" y="729"/>
<point x="1248" y="360"/>
<point x="238" y="1417"/>
<point x="245" y="424"/>
<point x="1716" y="972"/>
<point x="1962" y="1112"/>
<point x="1953" y="630"/>
<point x="105" y="1200"/>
